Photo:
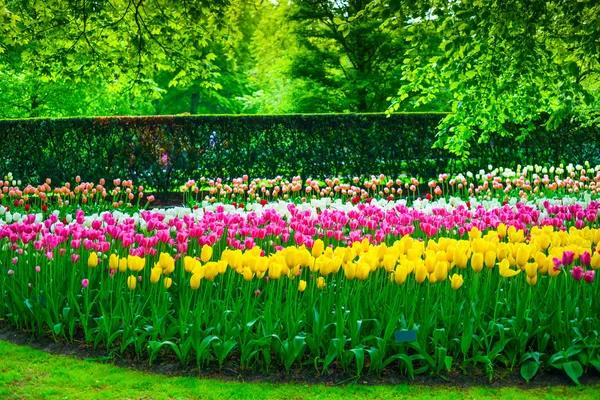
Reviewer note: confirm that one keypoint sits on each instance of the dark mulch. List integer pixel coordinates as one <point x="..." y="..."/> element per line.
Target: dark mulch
<point x="169" y="365"/>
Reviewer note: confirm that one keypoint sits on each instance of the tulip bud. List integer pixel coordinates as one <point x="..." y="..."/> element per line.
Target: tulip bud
<point x="301" y="286"/>
<point x="456" y="281"/>
<point x="131" y="282"/>
<point x="93" y="260"/>
<point x="477" y="261"/>
<point x="321" y="282"/>
<point x="167" y="282"/>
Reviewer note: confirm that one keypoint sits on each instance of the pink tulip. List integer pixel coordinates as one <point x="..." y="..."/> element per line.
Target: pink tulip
<point x="585" y="258"/>
<point x="74" y="258"/>
<point x="577" y="273"/>
<point x="85" y="283"/>
<point x="588" y="276"/>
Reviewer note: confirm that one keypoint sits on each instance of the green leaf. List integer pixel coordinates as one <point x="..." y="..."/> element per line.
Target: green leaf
<point x="529" y="369"/>
<point x="574" y="370"/>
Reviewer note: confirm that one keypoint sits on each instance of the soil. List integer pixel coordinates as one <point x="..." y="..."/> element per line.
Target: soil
<point x="169" y="365"/>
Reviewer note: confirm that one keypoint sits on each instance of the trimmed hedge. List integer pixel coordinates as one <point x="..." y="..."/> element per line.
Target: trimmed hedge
<point x="163" y="152"/>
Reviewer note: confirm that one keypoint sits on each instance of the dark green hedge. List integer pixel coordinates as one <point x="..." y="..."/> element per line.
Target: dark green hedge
<point x="162" y="152"/>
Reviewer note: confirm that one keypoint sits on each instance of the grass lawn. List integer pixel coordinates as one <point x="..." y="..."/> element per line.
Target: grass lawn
<point x="26" y="373"/>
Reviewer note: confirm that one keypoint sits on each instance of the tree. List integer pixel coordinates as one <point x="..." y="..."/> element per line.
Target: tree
<point x="118" y="44"/>
<point x="528" y="63"/>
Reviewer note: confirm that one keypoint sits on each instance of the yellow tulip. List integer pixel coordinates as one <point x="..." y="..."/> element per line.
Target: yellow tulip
<point x="301" y="286"/>
<point x="389" y="262"/>
<point x="275" y="270"/>
<point x="123" y="264"/>
<point x="595" y="261"/>
<point x="304" y="257"/>
<point x="167" y="282"/>
<point x="490" y="259"/>
<point x="365" y="244"/>
<point x="541" y="260"/>
<point x="400" y="274"/>
<point x="131" y="282"/>
<point x="441" y="271"/>
<point x="199" y="269"/>
<point x="522" y="255"/>
<point x="93" y="260"/>
<point x="166" y="263"/>
<point x="420" y="273"/>
<point x="222" y="266"/>
<point x="206" y="253"/>
<point x="532" y="281"/>
<point x="317" y="248"/>
<point x="456" y="281"/>
<point x="531" y="270"/>
<point x="113" y="262"/>
<point x="189" y="263"/>
<point x="247" y="274"/>
<point x="477" y="261"/>
<point x="350" y="270"/>
<point x="544" y="242"/>
<point x="136" y="263"/>
<point x="362" y="270"/>
<point x="195" y="281"/>
<point x="432" y="278"/>
<point x="155" y="274"/>
<point x="553" y="273"/>
<point x="321" y="282"/>
<point x="211" y="269"/>
<point x="292" y="257"/>
<point x="501" y="229"/>
<point x="505" y="270"/>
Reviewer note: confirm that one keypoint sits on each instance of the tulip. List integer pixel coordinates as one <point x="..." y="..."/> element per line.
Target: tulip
<point x="532" y="281"/>
<point x="522" y="255"/>
<point x="248" y="274"/>
<point x="577" y="273"/>
<point x="275" y="270"/>
<point x="400" y="274"/>
<point x="85" y="283"/>
<point x="490" y="259"/>
<point x="301" y="285"/>
<point x="93" y="260"/>
<point x="531" y="270"/>
<point x="362" y="270"/>
<point x="155" y="274"/>
<point x="420" y="273"/>
<point x="588" y="276"/>
<point x="166" y="263"/>
<point x="595" y="261"/>
<point x="317" y="248"/>
<point x="131" y="282"/>
<point x="456" y="281"/>
<point x="206" y="253"/>
<point x="389" y="262"/>
<point x="567" y="257"/>
<point x="350" y="270"/>
<point x="477" y="262"/>
<point x="441" y="271"/>
<point x="585" y="258"/>
<point x="167" y="282"/>
<point x="113" y="262"/>
<point x="195" y="281"/>
<point x="505" y="270"/>
<point x="321" y="282"/>
<point x="123" y="264"/>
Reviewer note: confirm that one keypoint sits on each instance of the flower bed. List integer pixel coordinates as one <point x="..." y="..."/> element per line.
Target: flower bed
<point x="492" y="280"/>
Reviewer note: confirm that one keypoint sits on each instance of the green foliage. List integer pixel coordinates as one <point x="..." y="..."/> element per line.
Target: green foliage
<point x="164" y="152"/>
<point x="514" y="62"/>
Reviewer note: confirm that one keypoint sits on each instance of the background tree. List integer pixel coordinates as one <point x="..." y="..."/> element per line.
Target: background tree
<point x="522" y="62"/>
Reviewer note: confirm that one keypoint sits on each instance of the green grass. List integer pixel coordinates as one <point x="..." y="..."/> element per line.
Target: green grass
<point x="26" y="373"/>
